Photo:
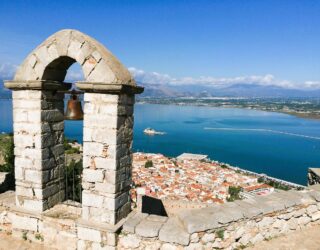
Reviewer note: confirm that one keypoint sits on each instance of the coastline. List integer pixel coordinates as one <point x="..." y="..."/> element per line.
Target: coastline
<point x="305" y="115"/>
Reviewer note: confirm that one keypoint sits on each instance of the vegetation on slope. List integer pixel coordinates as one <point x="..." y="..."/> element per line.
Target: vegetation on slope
<point x="6" y="151"/>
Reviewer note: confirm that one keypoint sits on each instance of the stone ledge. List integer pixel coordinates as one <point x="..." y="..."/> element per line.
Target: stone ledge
<point x="26" y="212"/>
<point x="132" y="221"/>
<point x="150" y="226"/>
<point x="37" y="85"/>
<point x="217" y="216"/>
<point x="109" y="88"/>
<point x="174" y="232"/>
<point x="104" y="227"/>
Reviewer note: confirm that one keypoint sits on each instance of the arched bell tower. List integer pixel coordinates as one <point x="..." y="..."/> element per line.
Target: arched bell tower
<point x="38" y="117"/>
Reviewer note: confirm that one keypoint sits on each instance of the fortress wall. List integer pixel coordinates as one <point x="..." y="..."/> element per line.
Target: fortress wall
<point x="228" y="226"/>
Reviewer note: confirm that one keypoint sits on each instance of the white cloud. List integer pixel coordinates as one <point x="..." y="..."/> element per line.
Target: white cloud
<point x="7" y="70"/>
<point x="74" y="76"/>
<point x="265" y="80"/>
<point x="150" y="77"/>
<point x="312" y="84"/>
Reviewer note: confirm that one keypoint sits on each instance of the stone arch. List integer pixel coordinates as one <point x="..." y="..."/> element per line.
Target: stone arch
<point x="52" y="58"/>
<point x="38" y="117"/>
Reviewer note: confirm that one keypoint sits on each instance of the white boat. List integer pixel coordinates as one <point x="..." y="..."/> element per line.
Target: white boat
<point x="150" y="131"/>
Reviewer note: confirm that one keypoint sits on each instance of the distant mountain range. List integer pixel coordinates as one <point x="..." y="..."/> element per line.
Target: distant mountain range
<point x="236" y="90"/>
<point x="198" y="91"/>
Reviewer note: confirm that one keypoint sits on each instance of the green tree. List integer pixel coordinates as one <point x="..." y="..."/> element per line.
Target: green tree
<point x="8" y="150"/>
<point x="148" y="164"/>
<point x="73" y="180"/>
<point x="234" y="193"/>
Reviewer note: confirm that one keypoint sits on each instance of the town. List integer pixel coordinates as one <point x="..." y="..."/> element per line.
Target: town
<point x="191" y="177"/>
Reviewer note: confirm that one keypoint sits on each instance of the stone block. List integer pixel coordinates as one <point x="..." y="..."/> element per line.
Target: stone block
<point x="315" y="216"/>
<point x="53" y="51"/>
<point x="115" y="203"/>
<point x="52" y="115"/>
<point x="102" y="72"/>
<point x="105" y="163"/>
<point x="197" y="221"/>
<point x="93" y="175"/>
<point x="23" y="191"/>
<point x="315" y="195"/>
<point x="173" y="232"/>
<point x="100" y="135"/>
<point x="63" y="42"/>
<point x="73" y="49"/>
<point x="304" y="220"/>
<point x="130" y="241"/>
<point x="24" y="223"/>
<point x="89" y="234"/>
<point x="153" y="217"/>
<point x="107" y="188"/>
<point x="265" y="222"/>
<point x="132" y="221"/>
<point x="312" y="209"/>
<point x="34" y="205"/>
<point x="34" y="115"/>
<point x="104" y="98"/>
<point x="112" y="238"/>
<point x="100" y="121"/>
<point x="20" y="115"/>
<point x="37" y="176"/>
<point x="92" y="200"/>
<point x="26" y="104"/>
<point x="148" y="228"/>
<point x="19" y="173"/>
<point x="26" y="94"/>
<point x="24" y="140"/>
<point x="93" y="149"/>
<point x="43" y="55"/>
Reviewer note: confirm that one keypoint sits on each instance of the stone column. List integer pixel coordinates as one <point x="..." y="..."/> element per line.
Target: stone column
<point x="38" y="124"/>
<point x="107" y="157"/>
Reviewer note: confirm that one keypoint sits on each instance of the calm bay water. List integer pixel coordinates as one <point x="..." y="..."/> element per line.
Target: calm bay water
<point x="279" y="145"/>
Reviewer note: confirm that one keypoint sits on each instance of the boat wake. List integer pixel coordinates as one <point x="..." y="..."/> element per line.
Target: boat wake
<point x="265" y="130"/>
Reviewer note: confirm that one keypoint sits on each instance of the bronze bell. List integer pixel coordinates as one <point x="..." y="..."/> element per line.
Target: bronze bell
<point x="74" y="109"/>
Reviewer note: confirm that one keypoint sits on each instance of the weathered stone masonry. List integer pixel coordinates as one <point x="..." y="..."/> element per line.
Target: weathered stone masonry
<point x="232" y="225"/>
<point x="108" y="130"/>
<point x="39" y="126"/>
<point x="39" y="154"/>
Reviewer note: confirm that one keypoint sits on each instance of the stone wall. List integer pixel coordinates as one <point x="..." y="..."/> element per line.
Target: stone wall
<point x="60" y="227"/>
<point x="232" y="225"/>
<point x="107" y="158"/>
<point x="229" y="226"/>
<point x="38" y="124"/>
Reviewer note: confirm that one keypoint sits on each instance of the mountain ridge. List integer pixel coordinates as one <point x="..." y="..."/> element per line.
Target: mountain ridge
<point x="235" y="90"/>
<point x="201" y="90"/>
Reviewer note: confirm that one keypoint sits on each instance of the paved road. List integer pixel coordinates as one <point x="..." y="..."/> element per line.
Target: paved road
<point x="307" y="239"/>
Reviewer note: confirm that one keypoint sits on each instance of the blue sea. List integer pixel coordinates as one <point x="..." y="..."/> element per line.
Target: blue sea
<point x="279" y="145"/>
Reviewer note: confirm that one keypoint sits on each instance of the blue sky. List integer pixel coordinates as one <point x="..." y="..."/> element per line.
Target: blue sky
<point x="182" y="41"/>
